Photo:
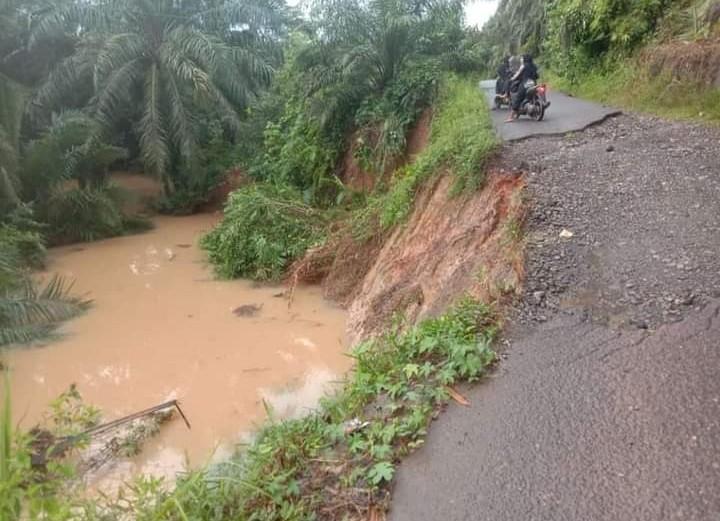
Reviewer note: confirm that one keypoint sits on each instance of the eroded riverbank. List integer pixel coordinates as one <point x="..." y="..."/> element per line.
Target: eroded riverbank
<point x="162" y="327"/>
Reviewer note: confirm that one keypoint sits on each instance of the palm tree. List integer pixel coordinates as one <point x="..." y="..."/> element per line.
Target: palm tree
<point x="154" y="62"/>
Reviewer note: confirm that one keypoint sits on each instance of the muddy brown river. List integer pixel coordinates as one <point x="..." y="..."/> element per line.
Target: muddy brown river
<point x="161" y="327"/>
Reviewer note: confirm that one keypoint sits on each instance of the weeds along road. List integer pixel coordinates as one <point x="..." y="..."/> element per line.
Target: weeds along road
<point x="607" y="406"/>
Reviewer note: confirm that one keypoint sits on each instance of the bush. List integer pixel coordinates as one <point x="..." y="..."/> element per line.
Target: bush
<point x="385" y="120"/>
<point x="581" y="34"/>
<point x="265" y="228"/>
<point x="83" y="215"/>
<point x="195" y="179"/>
<point x="26" y="245"/>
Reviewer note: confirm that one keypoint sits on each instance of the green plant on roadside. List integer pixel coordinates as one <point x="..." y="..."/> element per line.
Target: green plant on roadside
<point x="629" y="85"/>
<point x="264" y="228"/>
<point x="27" y="493"/>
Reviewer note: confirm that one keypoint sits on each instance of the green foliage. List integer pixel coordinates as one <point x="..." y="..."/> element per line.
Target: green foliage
<point x="11" y="108"/>
<point x="69" y="149"/>
<point x="297" y="154"/>
<point x="461" y="140"/>
<point x="385" y="121"/>
<point x="627" y="84"/>
<point x="367" y="66"/>
<point x="582" y="32"/>
<point x="518" y="26"/>
<point x="76" y="215"/>
<point x="264" y="228"/>
<point x="27" y="246"/>
<point x="160" y="64"/>
<point x="29" y="313"/>
<point x="70" y="416"/>
<point x="201" y="173"/>
<point x="26" y="492"/>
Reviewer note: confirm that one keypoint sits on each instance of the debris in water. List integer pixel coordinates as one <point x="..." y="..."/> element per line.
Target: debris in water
<point x="354" y="425"/>
<point x="566" y="234"/>
<point x="169" y="254"/>
<point x="134" y="428"/>
<point x="184" y="245"/>
<point x="247" y="310"/>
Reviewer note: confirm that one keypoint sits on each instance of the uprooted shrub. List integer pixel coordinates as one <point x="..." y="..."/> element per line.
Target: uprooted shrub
<point x="265" y="228"/>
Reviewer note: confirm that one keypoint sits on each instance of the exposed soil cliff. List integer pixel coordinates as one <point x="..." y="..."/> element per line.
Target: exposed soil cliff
<point x="450" y="247"/>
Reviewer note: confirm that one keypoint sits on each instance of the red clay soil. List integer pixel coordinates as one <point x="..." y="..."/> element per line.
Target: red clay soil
<point x="450" y="247"/>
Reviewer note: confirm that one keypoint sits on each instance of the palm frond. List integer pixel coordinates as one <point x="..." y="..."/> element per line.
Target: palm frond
<point x="31" y="313"/>
<point x="83" y="215"/>
<point x="153" y="137"/>
<point x="117" y="50"/>
<point x="114" y="94"/>
<point x="76" y="18"/>
<point x="63" y="80"/>
<point x="182" y="120"/>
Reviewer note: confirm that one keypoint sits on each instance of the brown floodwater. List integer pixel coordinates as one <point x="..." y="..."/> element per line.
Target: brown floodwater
<point x="161" y="327"/>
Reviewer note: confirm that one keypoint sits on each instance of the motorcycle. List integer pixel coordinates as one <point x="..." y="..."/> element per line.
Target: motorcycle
<point x="535" y="103"/>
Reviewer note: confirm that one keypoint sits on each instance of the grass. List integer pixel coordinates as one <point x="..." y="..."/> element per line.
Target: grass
<point x="461" y="140"/>
<point x="628" y="86"/>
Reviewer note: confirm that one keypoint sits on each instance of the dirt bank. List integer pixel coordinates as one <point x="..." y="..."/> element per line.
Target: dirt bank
<point x="468" y="245"/>
<point x="450" y="247"/>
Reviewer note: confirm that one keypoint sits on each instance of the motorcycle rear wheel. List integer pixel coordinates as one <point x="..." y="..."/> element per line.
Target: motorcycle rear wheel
<point x="539" y="111"/>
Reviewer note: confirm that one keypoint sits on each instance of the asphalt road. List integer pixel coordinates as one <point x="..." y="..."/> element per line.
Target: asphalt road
<point x="587" y="420"/>
<point x="581" y="423"/>
<point x="566" y="114"/>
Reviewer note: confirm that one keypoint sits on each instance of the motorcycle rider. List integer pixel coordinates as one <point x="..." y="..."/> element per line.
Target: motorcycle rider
<point x="527" y="71"/>
<point x="504" y="72"/>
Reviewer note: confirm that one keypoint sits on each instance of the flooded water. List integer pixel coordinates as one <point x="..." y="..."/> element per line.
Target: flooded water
<point x="162" y="327"/>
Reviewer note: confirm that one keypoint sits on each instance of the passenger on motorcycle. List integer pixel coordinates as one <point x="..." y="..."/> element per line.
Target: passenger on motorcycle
<point x="504" y="72"/>
<point x="526" y="72"/>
